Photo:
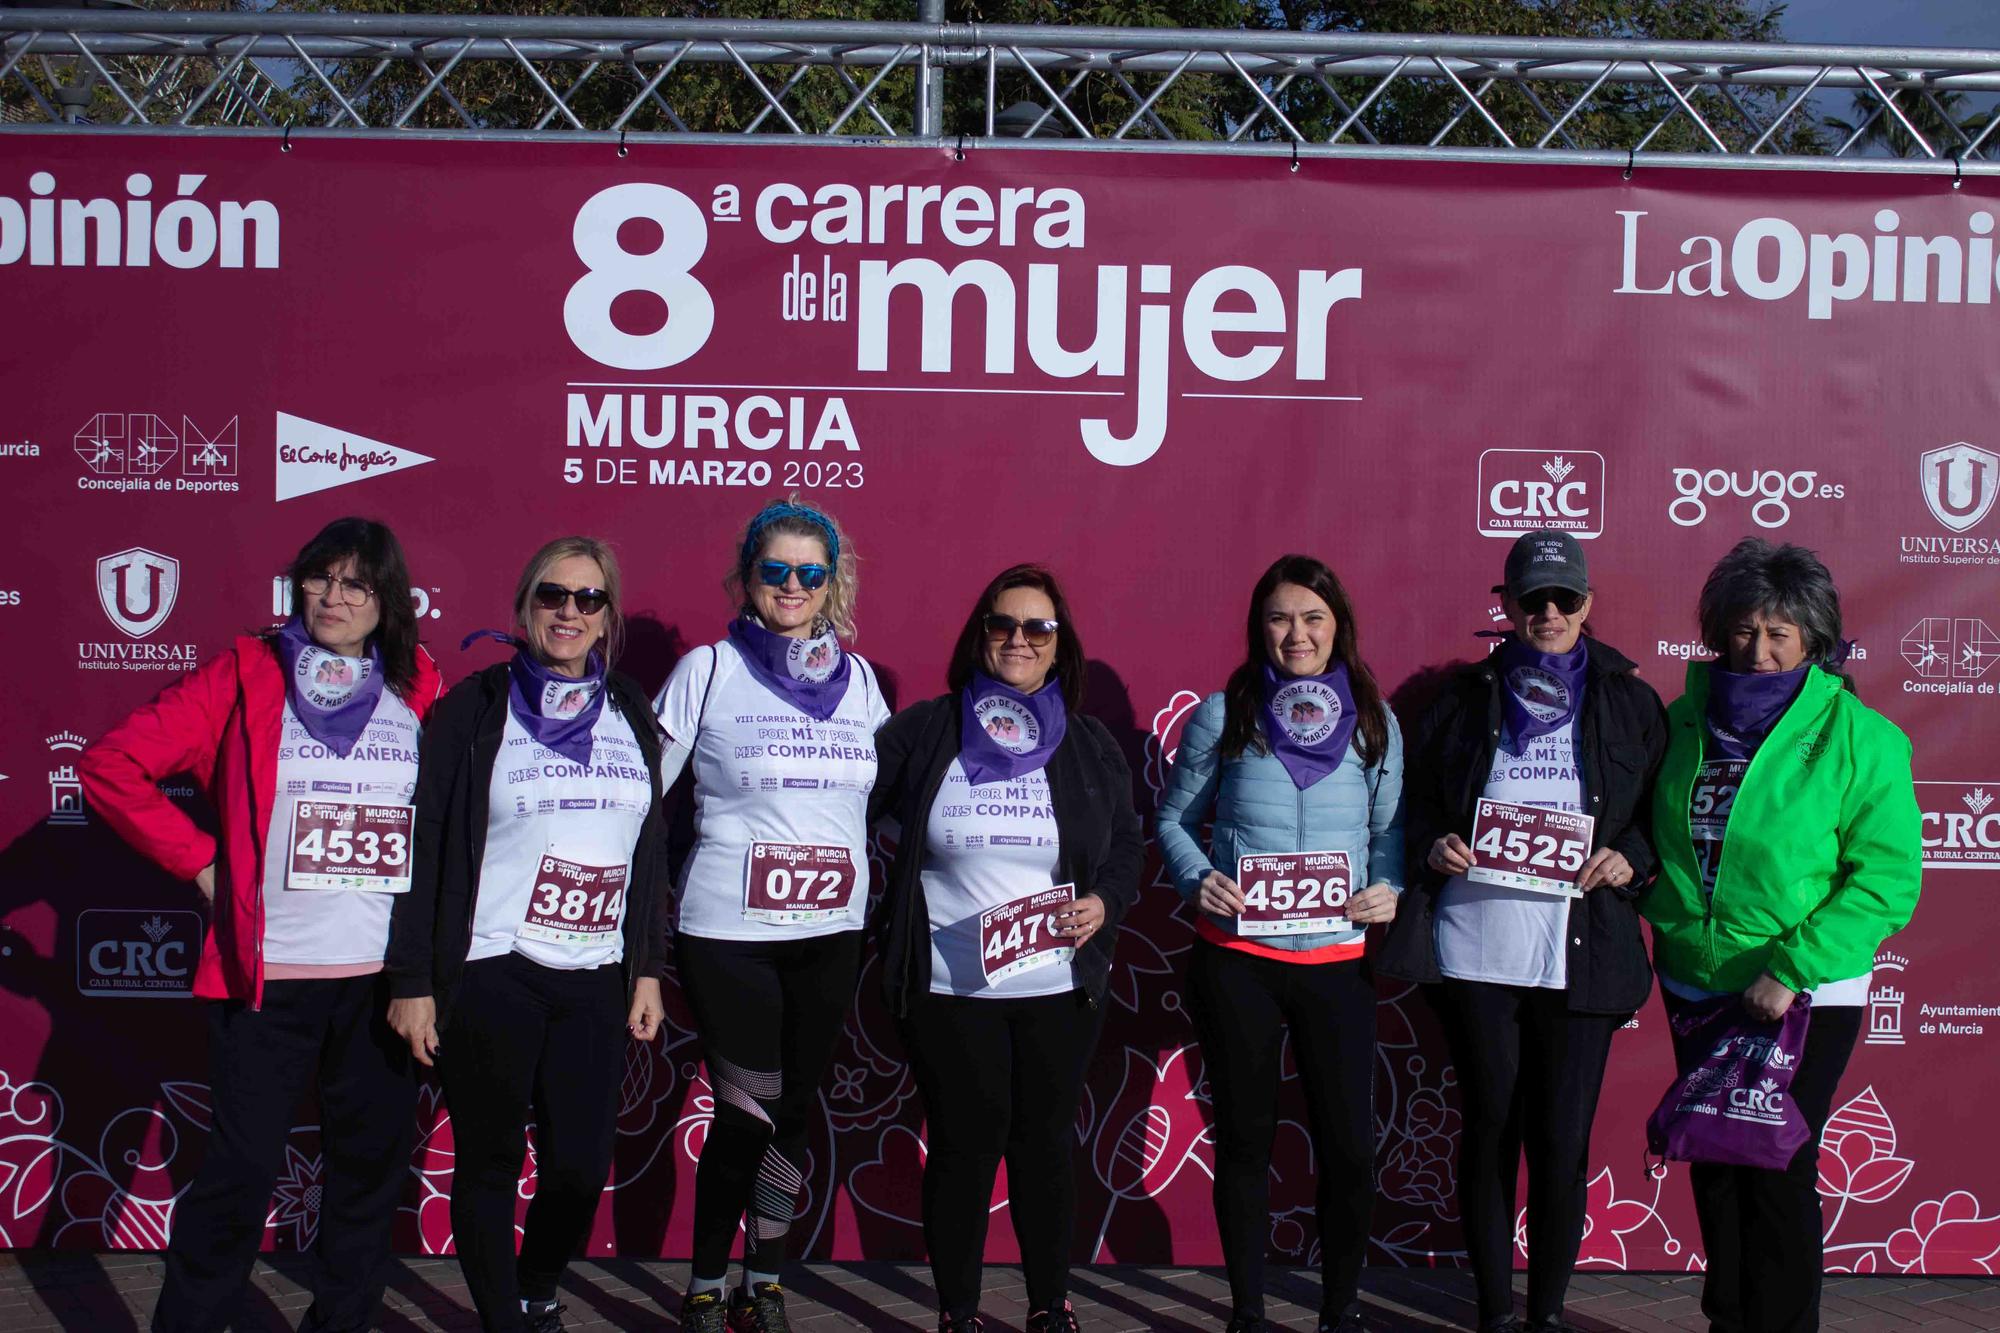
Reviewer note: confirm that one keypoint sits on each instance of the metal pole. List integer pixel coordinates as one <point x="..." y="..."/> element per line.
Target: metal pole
<point x="931" y="103"/>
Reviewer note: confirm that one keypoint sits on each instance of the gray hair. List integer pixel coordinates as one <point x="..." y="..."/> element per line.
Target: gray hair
<point x="1786" y="582"/>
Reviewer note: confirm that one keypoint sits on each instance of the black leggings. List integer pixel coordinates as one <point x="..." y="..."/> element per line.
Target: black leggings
<point x="1242" y="1007"/>
<point x="1762" y="1230"/>
<point x="769" y="1012"/>
<point x="524" y="1036"/>
<point x="1529" y="1071"/>
<point x="1000" y="1078"/>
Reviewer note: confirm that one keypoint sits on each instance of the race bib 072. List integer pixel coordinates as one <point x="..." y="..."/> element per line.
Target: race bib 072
<point x="789" y="883"/>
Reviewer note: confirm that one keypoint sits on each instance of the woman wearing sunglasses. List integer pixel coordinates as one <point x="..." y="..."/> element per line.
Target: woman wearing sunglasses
<point x="1529" y="921"/>
<point x="778" y="721"/>
<point x="1019" y="853"/>
<point x="329" y="704"/>
<point x="1299" y="766"/>
<point x="524" y="951"/>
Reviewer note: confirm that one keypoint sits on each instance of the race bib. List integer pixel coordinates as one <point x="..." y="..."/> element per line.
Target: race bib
<point x="1020" y="936"/>
<point x="792" y="882"/>
<point x="573" y="904"/>
<point x="1293" y="893"/>
<point x="1714" y="794"/>
<point x="350" y="846"/>
<point x="1529" y="847"/>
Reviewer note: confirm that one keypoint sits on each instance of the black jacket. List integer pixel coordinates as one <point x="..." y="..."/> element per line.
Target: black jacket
<point x="1101" y="844"/>
<point x="1621" y="738"/>
<point x="430" y="929"/>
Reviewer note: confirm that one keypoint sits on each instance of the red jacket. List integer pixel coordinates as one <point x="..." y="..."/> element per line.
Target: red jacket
<point x="221" y="723"/>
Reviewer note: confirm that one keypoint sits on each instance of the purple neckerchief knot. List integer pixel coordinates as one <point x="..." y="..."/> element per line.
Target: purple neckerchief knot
<point x="1309" y="721"/>
<point x="559" y="711"/>
<point x="1003" y="733"/>
<point x="1743" y="706"/>
<point x="333" y="696"/>
<point x="1542" y="691"/>
<point x="809" y="674"/>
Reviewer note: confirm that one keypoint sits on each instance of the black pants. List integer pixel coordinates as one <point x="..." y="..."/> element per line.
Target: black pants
<point x="1529" y="1071"/>
<point x="1762" y="1230"/>
<point x="1000" y="1078"/>
<point x="260" y="1062"/>
<point x="769" y="1012"/>
<point x="1242" y="1007"/>
<point x="524" y="1036"/>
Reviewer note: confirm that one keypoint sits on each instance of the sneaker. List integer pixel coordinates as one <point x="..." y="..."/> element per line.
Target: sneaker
<point x="759" y="1310"/>
<point x="1054" y="1321"/>
<point x="705" y="1312"/>
<point x="1505" y="1323"/>
<point x="1347" y="1320"/>
<point x="970" y="1323"/>
<point x="542" y="1316"/>
<point x="1247" y="1323"/>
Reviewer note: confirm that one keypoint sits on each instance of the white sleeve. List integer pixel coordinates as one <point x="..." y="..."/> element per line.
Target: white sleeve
<point x="878" y="708"/>
<point x="679" y="701"/>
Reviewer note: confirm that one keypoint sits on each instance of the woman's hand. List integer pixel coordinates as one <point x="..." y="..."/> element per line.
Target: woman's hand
<point x="1219" y="894"/>
<point x="1607" y="867"/>
<point x="1372" y="906"/>
<point x="1768" y="998"/>
<point x="415" y="1021"/>
<point x="204" y="879"/>
<point x="648" y="1011"/>
<point x="1081" y="919"/>
<point x="1450" y="856"/>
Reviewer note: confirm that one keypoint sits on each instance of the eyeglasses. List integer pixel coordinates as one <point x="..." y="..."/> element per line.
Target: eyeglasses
<point x="1568" y="602"/>
<point x="589" y="601"/>
<point x="775" y="573"/>
<point x="1036" y="631"/>
<point x="352" y="592"/>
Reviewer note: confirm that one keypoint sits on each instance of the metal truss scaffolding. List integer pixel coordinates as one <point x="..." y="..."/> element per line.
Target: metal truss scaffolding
<point x="1249" y="91"/>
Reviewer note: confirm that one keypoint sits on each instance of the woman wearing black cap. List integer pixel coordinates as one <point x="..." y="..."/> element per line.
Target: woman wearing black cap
<point x="1527" y="920"/>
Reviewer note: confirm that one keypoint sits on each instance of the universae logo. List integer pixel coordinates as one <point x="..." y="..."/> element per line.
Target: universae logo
<point x="1523" y="490"/>
<point x="1960" y="482"/>
<point x="137" y="587"/>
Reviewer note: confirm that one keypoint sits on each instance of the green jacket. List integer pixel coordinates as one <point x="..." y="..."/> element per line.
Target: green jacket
<point x="1822" y="857"/>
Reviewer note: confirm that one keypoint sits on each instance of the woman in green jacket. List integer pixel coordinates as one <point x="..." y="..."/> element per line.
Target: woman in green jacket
<point x="1790" y="848"/>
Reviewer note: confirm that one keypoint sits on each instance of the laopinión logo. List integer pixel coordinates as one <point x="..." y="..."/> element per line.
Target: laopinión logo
<point x="137" y="589"/>
<point x="1959" y="483"/>
<point x="1771" y="491"/>
<point x="1950" y="655"/>
<point x="129" y="451"/>
<point x="1522" y="490"/>
<point x="1961" y="826"/>
<point x="125" y="954"/>
<point x="66" y="808"/>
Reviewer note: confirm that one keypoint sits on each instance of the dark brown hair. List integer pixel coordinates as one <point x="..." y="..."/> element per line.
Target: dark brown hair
<point x="1243" y="697"/>
<point x="967" y="657"/>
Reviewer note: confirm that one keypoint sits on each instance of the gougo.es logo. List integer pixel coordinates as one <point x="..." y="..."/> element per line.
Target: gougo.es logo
<point x="1773" y="492"/>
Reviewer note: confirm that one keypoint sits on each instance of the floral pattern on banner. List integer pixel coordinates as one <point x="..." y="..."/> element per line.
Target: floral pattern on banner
<point x="1144" y="1158"/>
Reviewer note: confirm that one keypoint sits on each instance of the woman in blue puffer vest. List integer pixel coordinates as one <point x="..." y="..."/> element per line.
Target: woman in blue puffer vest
<point x="1299" y="764"/>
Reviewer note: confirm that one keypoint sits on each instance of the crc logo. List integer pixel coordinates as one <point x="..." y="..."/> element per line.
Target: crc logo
<point x="1961" y="825"/>
<point x="663" y="271"/>
<point x="1960" y="481"/>
<point x="1772" y="490"/>
<point x="1763" y="1104"/>
<point x="1522" y="490"/>
<point x="136" y="588"/>
<point x="1943" y="648"/>
<point x="136" y="954"/>
<point x="281" y="599"/>
<point x="140" y="444"/>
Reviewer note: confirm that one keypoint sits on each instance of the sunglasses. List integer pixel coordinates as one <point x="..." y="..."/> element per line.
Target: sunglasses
<point x="1567" y="602"/>
<point x="1037" y="632"/>
<point x="775" y="573"/>
<point x="589" y="601"/>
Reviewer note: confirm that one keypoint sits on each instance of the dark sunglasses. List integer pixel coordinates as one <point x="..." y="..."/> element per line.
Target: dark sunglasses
<point x="1567" y="601"/>
<point x="774" y="573"/>
<point x="589" y="601"/>
<point x="1037" y="632"/>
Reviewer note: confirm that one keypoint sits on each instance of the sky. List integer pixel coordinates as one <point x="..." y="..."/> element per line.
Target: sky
<point x="1895" y="22"/>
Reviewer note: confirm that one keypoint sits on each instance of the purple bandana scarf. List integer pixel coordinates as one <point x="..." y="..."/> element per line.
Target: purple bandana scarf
<point x="1543" y="691"/>
<point x="559" y="711"/>
<point x="809" y="674"/>
<point x="1003" y="733"/>
<point x="1744" y="706"/>
<point x="1309" y="721"/>
<point x="333" y="696"/>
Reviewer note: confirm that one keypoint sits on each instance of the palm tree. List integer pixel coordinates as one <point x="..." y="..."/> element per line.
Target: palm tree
<point x="1941" y="118"/>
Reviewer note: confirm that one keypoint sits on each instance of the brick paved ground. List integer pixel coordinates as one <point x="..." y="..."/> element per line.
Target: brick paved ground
<point x="112" y="1293"/>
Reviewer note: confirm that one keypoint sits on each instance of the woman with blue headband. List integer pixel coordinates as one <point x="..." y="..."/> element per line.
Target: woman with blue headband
<point x="778" y="720"/>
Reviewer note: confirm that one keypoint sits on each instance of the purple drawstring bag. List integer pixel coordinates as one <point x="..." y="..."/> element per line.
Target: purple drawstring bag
<point x="1731" y="1103"/>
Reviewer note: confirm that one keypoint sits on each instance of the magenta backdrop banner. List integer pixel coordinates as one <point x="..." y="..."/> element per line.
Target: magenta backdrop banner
<point x="1155" y="373"/>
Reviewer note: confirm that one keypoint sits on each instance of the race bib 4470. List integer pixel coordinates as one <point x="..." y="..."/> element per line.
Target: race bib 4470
<point x="351" y="846"/>
<point x="1020" y="936"/>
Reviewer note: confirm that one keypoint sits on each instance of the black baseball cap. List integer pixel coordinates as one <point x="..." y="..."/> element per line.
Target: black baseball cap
<point x="1545" y="559"/>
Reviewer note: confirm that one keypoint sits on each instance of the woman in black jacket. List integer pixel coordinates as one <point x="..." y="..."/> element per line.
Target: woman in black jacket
<point x="1019" y="853"/>
<point x="525" y="951"/>
<point x="1537" y="965"/>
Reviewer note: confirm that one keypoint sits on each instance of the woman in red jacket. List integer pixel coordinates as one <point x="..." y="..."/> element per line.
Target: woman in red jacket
<point x="305" y="739"/>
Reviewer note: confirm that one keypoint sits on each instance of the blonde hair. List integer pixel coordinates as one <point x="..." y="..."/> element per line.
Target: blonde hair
<point x="562" y="548"/>
<point x="841" y="585"/>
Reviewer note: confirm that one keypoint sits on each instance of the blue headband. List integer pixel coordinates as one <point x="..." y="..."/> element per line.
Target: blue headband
<point x="786" y="509"/>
